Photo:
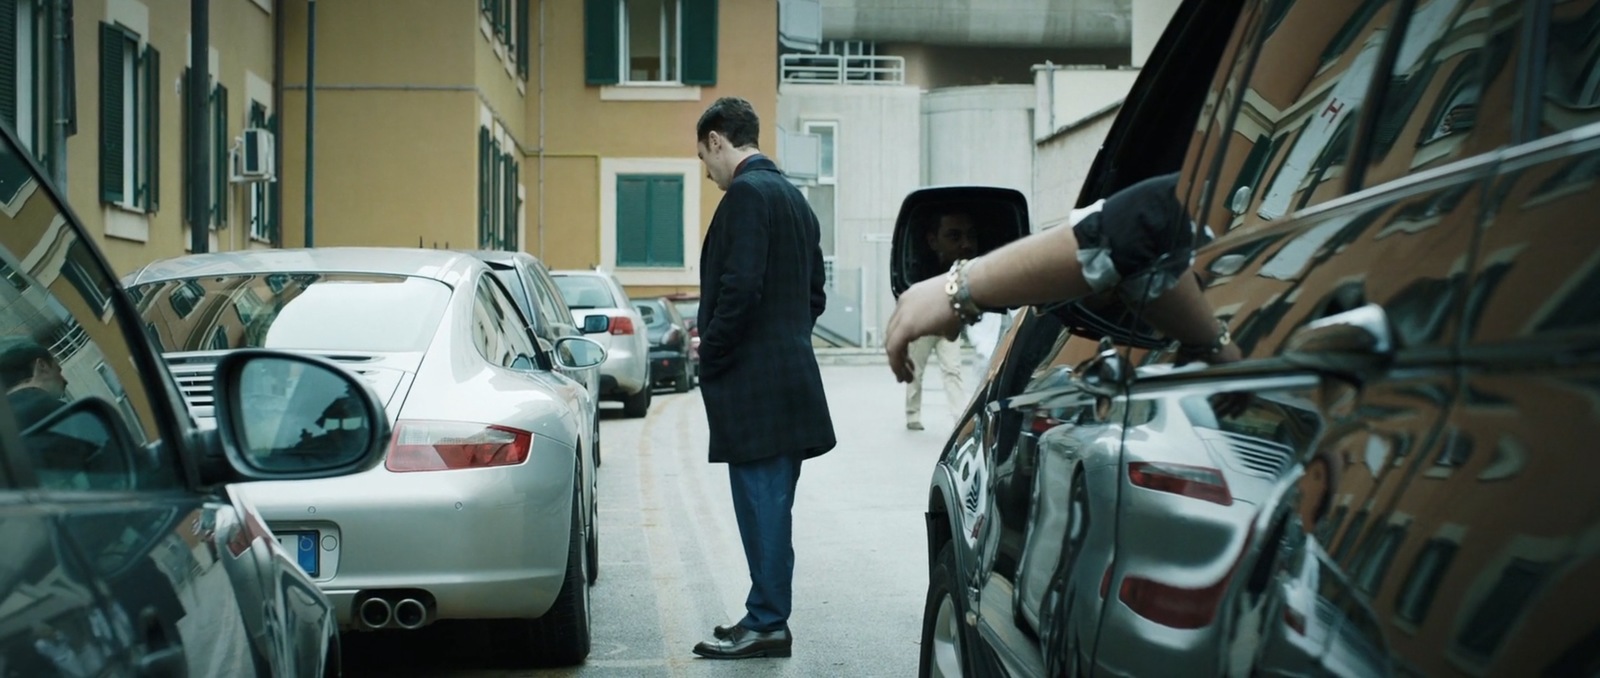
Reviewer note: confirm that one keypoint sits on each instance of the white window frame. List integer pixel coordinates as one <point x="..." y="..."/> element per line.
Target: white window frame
<point x="129" y="221"/>
<point x="689" y="168"/>
<point x="624" y="46"/>
<point x="827" y="173"/>
<point x="134" y="112"/>
<point x="28" y="80"/>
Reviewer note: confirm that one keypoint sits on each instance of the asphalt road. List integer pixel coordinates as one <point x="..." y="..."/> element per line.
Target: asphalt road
<point x="671" y="566"/>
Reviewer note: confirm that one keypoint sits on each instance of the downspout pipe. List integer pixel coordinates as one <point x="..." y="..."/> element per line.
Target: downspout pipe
<point x="61" y="27"/>
<point x="278" y="40"/>
<point x="311" y="121"/>
<point x="541" y="130"/>
<point x="198" y="88"/>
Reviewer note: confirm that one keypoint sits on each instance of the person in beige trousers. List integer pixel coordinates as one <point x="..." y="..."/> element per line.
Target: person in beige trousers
<point x="948" y="355"/>
<point x="951" y="239"/>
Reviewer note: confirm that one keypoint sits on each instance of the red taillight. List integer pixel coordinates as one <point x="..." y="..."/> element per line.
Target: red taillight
<point x="1294" y="620"/>
<point x="447" y="446"/>
<point x="622" y="325"/>
<point x="1172" y="606"/>
<point x="1198" y="482"/>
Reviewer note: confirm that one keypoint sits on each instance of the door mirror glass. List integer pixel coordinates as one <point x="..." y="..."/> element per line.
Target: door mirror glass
<point x="82" y="446"/>
<point x="596" y="324"/>
<point x="294" y="415"/>
<point x="938" y="226"/>
<point x="576" y="353"/>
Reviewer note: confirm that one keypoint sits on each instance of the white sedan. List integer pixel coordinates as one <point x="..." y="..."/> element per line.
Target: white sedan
<point x="484" y="507"/>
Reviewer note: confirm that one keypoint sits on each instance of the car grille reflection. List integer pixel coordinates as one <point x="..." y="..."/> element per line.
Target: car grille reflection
<point x="1257" y="456"/>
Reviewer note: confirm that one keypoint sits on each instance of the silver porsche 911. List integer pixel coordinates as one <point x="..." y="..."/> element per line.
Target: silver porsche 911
<point x="484" y="507"/>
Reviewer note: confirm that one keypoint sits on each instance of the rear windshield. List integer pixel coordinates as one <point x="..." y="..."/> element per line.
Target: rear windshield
<point x="653" y="313"/>
<point x="584" y="291"/>
<point x="296" y="311"/>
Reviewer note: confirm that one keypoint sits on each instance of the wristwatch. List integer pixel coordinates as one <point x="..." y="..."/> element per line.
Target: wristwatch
<point x="960" y="293"/>
<point x="1206" y="351"/>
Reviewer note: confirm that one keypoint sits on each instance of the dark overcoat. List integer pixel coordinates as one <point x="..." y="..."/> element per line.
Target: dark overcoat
<point x="761" y="291"/>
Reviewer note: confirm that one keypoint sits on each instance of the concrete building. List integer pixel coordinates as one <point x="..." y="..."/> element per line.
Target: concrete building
<point x="950" y="93"/>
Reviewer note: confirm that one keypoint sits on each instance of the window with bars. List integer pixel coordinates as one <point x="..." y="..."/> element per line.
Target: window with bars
<point x="129" y="120"/>
<point x="262" y="197"/>
<point x="650" y="41"/>
<point x="499" y="205"/>
<point x="509" y="21"/>
<point x="25" y="65"/>
<point x="217" y="146"/>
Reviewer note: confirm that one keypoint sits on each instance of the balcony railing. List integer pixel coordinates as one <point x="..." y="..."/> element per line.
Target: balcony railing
<point x="839" y="69"/>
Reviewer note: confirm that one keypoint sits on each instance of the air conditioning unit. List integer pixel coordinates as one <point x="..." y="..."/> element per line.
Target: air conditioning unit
<point x="253" y="157"/>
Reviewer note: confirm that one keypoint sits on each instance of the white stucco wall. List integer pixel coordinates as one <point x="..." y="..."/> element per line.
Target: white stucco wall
<point x="878" y="160"/>
<point x="1060" y="165"/>
<point x="978" y="135"/>
<point x="1068" y="94"/>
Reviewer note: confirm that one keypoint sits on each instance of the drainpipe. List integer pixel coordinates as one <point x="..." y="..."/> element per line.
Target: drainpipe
<point x="541" y="131"/>
<point x="198" y="88"/>
<point x="60" y="23"/>
<point x="311" y="119"/>
<point x="278" y="40"/>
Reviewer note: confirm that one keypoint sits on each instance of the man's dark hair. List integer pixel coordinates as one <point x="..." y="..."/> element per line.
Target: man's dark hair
<point x="732" y="117"/>
<point x="17" y="356"/>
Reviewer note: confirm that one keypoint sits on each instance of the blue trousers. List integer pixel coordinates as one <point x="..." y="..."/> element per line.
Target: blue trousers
<point x="763" y="502"/>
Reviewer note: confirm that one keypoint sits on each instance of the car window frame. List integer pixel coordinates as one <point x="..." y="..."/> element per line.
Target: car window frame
<point x="510" y="315"/>
<point x="180" y="440"/>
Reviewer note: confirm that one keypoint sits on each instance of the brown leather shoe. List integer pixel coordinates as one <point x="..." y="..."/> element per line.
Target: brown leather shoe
<point x="738" y="642"/>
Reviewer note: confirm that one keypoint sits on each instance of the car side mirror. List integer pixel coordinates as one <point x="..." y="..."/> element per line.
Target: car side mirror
<point x="83" y="445"/>
<point x="1107" y="374"/>
<point x="577" y="353"/>
<point x="284" y="416"/>
<point x="596" y="324"/>
<point x="997" y="216"/>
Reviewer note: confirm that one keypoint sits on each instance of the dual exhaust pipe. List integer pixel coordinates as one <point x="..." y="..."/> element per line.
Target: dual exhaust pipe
<point x="377" y="612"/>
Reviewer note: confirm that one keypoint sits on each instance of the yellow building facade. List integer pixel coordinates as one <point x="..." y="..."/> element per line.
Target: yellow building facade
<point x="564" y="128"/>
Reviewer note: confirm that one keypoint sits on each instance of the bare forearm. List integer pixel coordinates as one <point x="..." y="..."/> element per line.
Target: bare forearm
<point x="1038" y="269"/>
<point x="1183" y="314"/>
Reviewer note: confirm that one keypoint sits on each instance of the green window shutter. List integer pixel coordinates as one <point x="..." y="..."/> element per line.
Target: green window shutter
<point x="152" y="129"/>
<point x="666" y="221"/>
<point x="184" y="171"/>
<point x="219" y="157"/>
<point x="633" y="220"/>
<point x="509" y="233"/>
<point x="523" y="40"/>
<point x="8" y="62"/>
<point x="516" y="207"/>
<point x="483" y="186"/>
<point x="112" y="136"/>
<point x="699" y="42"/>
<point x="274" y="197"/>
<point x="601" y="33"/>
<point x="650" y="220"/>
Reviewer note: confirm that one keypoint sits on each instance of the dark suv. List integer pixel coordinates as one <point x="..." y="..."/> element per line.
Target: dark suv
<point x="1391" y="197"/>
<point x="125" y="552"/>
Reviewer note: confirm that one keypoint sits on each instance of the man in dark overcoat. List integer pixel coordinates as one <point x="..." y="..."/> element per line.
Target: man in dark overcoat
<point x="761" y="286"/>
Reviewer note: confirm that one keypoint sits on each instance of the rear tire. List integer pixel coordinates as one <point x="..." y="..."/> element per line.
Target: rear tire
<point x="685" y="380"/>
<point x="943" y="624"/>
<point x="560" y="637"/>
<point x="638" y="404"/>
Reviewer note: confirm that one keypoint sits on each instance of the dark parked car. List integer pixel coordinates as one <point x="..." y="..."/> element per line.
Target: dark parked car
<point x="1396" y="201"/>
<point x="688" y="304"/>
<point x="671" y="361"/>
<point x="125" y="551"/>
